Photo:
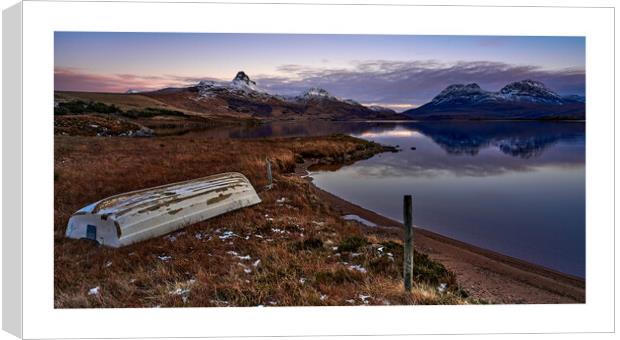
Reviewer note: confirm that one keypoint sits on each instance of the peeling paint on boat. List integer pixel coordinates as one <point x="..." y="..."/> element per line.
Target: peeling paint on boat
<point x="139" y="215"/>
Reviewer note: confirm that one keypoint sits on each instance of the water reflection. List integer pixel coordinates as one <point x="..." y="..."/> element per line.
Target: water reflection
<point x="475" y="154"/>
<point x="520" y="139"/>
<point x="514" y="187"/>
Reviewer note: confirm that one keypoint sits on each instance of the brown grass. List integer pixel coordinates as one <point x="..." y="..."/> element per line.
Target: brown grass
<point x="297" y="252"/>
<point x="121" y="100"/>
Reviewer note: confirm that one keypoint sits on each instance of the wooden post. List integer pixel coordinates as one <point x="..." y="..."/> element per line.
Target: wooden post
<point x="269" y="177"/>
<point x="408" y="254"/>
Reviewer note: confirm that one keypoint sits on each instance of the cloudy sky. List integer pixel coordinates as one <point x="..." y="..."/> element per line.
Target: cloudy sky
<point x="392" y="70"/>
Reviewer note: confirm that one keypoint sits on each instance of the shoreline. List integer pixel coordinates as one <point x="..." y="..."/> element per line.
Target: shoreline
<point x="295" y="229"/>
<point x="484" y="273"/>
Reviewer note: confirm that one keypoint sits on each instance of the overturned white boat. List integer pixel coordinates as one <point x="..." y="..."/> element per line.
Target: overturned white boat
<point x="138" y="215"/>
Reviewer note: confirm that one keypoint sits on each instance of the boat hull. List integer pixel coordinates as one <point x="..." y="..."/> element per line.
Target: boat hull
<point x="132" y="217"/>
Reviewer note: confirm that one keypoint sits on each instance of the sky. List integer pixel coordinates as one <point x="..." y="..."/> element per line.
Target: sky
<point x="397" y="71"/>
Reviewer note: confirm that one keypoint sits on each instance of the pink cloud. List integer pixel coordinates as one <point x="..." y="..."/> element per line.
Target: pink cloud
<point x="72" y="79"/>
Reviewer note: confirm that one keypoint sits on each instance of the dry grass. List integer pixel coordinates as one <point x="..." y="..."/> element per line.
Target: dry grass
<point x="292" y="252"/>
<point x="123" y="101"/>
<point x="92" y="125"/>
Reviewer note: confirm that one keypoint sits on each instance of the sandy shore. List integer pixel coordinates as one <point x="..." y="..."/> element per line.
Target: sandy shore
<point x="485" y="274"/>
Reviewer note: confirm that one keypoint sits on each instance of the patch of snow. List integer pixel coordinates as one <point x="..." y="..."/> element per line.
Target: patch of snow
<point x="323" y="297"/>
<point x="256" y="263"/>
<point x="94" y="291"/>
<point x="358" y="267"/>
<point x="302" y="280"/>
<point x="226" y="235"/>
<point x="179" y="291"/>
<point x="442" y="287"/>
<point x="182" y="292"/>
<point x="359" y="219"/>
<point x="364" y="298"/>
<point x="219" y="302"/>
<point x="164" y="257"/>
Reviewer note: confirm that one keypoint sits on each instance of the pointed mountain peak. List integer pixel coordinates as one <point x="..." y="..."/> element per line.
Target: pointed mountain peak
<point x="241" y="77"/>
<point x="243" y="82"/>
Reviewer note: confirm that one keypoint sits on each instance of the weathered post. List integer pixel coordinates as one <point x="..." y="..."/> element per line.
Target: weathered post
<point x="269" y="178"/>
<point x="408" y="254"/>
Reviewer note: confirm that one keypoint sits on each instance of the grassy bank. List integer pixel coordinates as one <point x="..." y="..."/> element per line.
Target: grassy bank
<point x="292" y="249"/>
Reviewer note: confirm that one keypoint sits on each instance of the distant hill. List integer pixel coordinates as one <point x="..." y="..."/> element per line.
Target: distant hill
<point x="527" y="99"/>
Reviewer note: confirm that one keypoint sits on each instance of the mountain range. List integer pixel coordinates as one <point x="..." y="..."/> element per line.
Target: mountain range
<point x="242" y="97"/>
<point x="526" y="99"/>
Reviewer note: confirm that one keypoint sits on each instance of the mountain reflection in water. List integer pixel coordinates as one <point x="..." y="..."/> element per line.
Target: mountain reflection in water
<point x="517" y="188"/>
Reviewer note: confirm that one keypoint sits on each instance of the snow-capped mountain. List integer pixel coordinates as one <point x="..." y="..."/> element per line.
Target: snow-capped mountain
<point x="315" y="93"/>
<point x="530" y="91"/>
<point x="240" y="85"/>
<point x="459" y="93"/>
<point x="521" y="91"/>
<point x="243" y="82"/>
<point x="242" y="96"/>
<point x="378" y="108"/>
<point x="527" y="99"/>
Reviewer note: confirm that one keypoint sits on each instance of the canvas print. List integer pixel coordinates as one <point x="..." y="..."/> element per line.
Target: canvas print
<point x="267" y="170"/>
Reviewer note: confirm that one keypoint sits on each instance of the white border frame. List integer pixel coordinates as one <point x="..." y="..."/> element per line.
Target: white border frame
<point x="41" y="19"/>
